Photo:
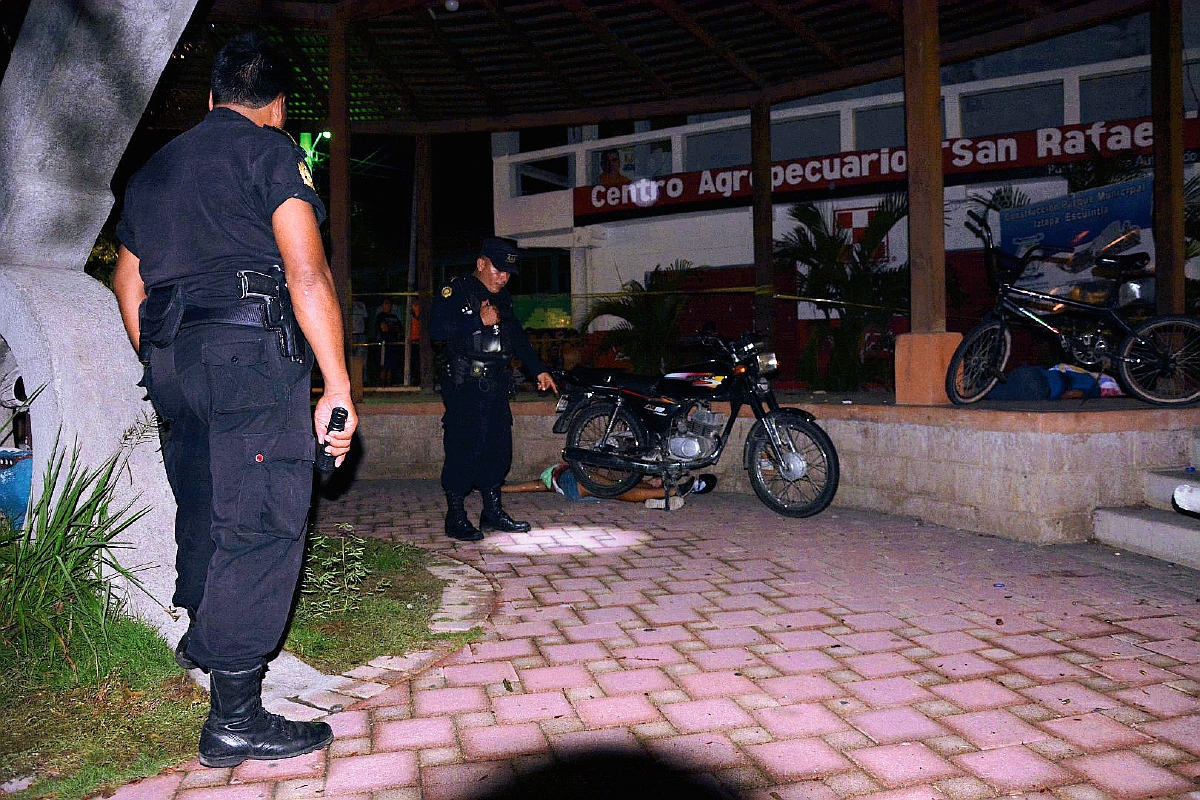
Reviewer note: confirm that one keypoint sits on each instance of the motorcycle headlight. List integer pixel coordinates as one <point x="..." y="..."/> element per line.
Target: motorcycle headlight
<point x="767" y="363"/>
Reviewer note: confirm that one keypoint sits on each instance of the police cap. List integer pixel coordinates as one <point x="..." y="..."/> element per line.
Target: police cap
<point x="503" y="253"/>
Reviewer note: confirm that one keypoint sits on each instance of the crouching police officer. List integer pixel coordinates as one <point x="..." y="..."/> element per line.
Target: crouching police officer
<point x="474" y="314"/>
<point x="228" y="337"/>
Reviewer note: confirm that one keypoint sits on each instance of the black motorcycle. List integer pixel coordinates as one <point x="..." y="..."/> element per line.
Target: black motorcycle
<point x="622" y="427"/>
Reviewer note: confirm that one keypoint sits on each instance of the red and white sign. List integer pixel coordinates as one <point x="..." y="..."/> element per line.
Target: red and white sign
<point x="1025" y="149"/>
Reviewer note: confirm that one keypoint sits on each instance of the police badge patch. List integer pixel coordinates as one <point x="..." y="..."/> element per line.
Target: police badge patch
<point x="447" y="291"/>
<point x="306" y="175"/>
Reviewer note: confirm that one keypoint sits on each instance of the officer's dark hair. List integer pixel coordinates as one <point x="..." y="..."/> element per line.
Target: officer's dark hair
<point x="249" y="71"/>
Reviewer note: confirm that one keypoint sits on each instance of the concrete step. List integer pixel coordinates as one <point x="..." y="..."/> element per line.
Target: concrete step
<point x="1165" y="535"/>
<point x="1159" y="486"/>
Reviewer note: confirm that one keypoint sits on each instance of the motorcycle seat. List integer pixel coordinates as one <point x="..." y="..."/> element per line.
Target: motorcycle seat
<point x="619" y="378"/>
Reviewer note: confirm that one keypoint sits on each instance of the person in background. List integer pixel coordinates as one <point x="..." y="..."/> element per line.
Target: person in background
<point x="610" y="169"/>
<point x="390" y="335"/>
<point x="228" y="337"/>
<point x="473" y="313"/>
<point x="561" y="478"/>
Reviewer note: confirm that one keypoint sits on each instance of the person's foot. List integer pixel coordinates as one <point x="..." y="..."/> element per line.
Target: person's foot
<point x="658" y="502"/>
<point x="458" y="526"/>
<point x="698" y="484"/>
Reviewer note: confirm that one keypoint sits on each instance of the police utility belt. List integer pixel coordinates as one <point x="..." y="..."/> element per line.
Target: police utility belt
<point x="264" y="304"/>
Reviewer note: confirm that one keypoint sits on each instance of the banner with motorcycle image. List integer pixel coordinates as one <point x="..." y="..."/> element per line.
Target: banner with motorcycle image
<point x="1071" y="232"/>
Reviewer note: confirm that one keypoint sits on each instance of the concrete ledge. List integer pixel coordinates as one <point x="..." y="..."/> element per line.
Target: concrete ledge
<point x="1035" y="474"/>
<point x="1153" y="532"/>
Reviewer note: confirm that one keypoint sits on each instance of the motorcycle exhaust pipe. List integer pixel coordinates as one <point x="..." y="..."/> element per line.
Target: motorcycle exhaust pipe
<point x="598" y="458"/>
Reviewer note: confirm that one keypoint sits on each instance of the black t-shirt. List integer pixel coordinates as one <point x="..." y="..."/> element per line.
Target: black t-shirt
<point x="200" y="209"/>
<point x="387" y="326"/>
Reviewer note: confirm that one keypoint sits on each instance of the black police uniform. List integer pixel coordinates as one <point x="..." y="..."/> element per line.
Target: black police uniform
<point x="238" y="443"/>
<point x="477" y="425"/>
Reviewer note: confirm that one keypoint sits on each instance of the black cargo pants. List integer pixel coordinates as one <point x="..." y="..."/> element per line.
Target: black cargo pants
<point x="476" y="433"/>
<point x="238" y="448"/>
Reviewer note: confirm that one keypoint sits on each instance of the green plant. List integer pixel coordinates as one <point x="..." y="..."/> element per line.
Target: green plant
<point x="385" y="608"/>
<point x="1000" y="198"/>
<point x="858" y="293"/>
<point x="648" y="333"/>
<point x="1098" y="170"/>
<point x="333" y="574"/>
<point x="54" y="573"/>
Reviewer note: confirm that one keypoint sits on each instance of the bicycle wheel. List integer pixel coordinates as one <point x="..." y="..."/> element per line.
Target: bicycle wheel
<point x="804" y="483"/>
<point x="978" y="362"/>
<point x="628" y="435"/>
<point x="1160" y="361"/>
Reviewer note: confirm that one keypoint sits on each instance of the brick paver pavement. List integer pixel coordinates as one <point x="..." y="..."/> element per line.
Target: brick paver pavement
<point x="850" y="655"/>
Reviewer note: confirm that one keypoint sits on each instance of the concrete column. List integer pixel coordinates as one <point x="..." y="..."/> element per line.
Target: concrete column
<point x="78" y="82"/>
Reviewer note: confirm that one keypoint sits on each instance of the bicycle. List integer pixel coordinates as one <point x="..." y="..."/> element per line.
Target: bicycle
<point x="1157" y="361"/>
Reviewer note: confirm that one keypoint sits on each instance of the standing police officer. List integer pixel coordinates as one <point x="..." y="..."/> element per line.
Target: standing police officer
<point x="474" y="314"/>
<point x="228" y="338"/>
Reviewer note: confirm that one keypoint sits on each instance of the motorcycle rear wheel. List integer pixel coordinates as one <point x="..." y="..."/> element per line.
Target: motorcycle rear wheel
<point x="628" y="436"/>
<point x="978" y="362"/>
<point x="1160" y="362"/>
<point x="798" y="495"/>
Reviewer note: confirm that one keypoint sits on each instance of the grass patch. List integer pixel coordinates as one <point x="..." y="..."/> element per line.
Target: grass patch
<point x="365" y="598"/>
<point x="78" y="735"/>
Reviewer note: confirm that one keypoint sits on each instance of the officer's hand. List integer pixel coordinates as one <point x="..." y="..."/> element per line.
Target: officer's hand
<point x="337" y="442"/>
<point x="488" y="314"/>
<point x="546" y="383"/>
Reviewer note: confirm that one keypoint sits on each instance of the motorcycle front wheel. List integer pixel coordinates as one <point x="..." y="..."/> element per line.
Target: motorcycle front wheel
<point x="1160" y="362"/>
<point x="978" y="362"/>
<point x="627" y="436"/>
<point x="801" y="483"/>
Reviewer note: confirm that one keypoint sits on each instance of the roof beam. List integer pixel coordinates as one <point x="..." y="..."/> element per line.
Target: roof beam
<point x="547" y="65"/>
<point x="686" y="21"/>
<point x="889" y="7"/>
<point x="462" y="64"/>
<point x="1047" y="26"/>
<point x="254" y="12"/>
<point x="376" y="57"/>
<point x="1050" y="25"/>
<point x="618" y="48"/>
<point x="1030" y="7"/>
<point x="787" y="19"/>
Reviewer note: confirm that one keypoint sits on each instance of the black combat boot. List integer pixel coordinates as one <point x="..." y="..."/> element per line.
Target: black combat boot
<point x="457" y="524"/>
<point x="238" y="727"/>
<point x="494" y="515"/>
<point x="182" y="658"/>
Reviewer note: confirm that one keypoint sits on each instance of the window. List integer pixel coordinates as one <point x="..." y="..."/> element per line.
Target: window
<point x="1115" y="96"/>
<point x="543" y="271"/>
<point x="1022" y="108"/>
<point x="540" y="138"/>
<point x="717" y="150"/>
<point x="809" y="136"/>
<point x="879" y="127"/>
<point x="614" y="166"/>
<point x="546" y="175"/>
<point x="607" y="130"/>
